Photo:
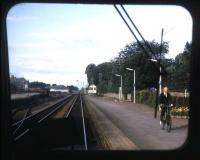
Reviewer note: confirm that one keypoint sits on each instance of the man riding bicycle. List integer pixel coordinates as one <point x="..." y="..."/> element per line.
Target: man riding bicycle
<point x="165" y="101"/>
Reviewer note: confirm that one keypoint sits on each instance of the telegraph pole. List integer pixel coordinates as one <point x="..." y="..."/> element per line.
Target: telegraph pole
<point x="159" y="86"/>
<point x="134" y="87"/>
<point x="160" y="77"/>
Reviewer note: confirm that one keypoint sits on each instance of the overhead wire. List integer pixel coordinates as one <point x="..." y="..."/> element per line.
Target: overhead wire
<point x="160" y="68"/>
<point x="139" y="43"/>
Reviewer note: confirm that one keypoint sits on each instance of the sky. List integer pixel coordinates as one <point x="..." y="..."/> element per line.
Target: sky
<point x="53" y="43"/>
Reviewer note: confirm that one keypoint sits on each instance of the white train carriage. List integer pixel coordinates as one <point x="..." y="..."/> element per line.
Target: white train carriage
<point x="92" y="89"/>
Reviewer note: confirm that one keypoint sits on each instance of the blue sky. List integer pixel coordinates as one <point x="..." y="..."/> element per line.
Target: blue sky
<point x="54" y="43"/>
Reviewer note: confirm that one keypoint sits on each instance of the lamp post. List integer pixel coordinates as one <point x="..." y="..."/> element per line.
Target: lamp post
<point x="118" y="75"/>
<point x="130" y="69"/>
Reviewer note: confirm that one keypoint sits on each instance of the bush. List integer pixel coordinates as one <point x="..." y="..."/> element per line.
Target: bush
<point x="146" y="97"/>
<point x="102" y="88"/>
<point x="149" y="98"/>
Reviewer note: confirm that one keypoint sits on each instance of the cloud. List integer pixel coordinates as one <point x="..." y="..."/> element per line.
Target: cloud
<point x="60" y="55"/>
<point x="97" y="34"/>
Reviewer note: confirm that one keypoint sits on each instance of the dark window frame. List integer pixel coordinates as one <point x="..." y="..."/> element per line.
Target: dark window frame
<point x="192" y="144"/>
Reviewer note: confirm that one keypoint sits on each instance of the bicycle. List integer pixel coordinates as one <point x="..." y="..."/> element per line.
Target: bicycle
<point x="166" y="119"/>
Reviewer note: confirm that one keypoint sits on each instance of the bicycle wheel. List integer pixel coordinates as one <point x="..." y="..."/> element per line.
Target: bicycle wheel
<point x="163" y="121"/>
<point x="163" y="125"/>
<point x="169" y="123"/>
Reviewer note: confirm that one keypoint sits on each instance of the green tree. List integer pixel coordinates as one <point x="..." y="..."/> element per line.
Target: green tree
<point x="102" y="87"/>
<point x="91" y="74"/>
<point x="131" y="56"/>
<point x="104" y="72"/>
<point x="181" y="73"/>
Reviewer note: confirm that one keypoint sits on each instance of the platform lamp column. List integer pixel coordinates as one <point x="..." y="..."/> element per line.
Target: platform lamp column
<point x="120" y="91"/>
<point x="130" y="69"/>
<point x="121" y="88"/>
<point x="160" y="82"/>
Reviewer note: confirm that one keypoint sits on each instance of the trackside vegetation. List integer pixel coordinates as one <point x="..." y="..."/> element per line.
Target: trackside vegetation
<point x="132" y="56"/>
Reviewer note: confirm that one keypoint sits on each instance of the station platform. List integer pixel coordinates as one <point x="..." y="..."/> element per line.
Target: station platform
<point x="127" y="126"/>
<point x="23" y="95"/>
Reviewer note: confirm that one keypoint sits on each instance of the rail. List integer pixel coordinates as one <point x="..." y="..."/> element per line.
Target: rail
<point x="19" y="127"/>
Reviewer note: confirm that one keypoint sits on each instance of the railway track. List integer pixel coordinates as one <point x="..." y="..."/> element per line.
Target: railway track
<point x="74" y="136"/>
<point x="76" y="113"/>
<point x="21" y="127"/>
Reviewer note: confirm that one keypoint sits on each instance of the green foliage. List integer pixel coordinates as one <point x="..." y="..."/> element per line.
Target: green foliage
<point x="91" y="74"/>
<point x="179" y="70"/>
<point x="102" y="87"/>
<point x="146" y="97"/>
<point x="132" y="56"/>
